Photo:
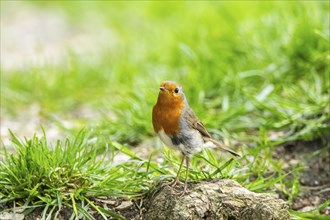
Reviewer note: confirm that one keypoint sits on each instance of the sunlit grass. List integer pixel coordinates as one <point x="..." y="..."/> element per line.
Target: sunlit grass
<point x="67" y="174"/>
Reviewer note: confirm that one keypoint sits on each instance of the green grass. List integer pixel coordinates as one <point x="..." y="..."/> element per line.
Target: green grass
<point x="313" y="214"/>
<point x="73" y="173"/>
<point x="249" y="70"/>
<point x="272" y="73"/>
<point x="67" y="174"/>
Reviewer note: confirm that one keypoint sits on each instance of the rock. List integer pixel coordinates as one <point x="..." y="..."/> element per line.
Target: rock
<point x="223" y="199"/>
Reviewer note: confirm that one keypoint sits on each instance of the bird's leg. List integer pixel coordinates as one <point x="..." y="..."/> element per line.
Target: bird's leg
<point x="177" y="181"/>
<point x="186" y="178"/>
<point x="187" y="172"/>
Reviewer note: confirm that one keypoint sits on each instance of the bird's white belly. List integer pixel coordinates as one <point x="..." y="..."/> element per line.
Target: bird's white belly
<point x="196" y="143"/>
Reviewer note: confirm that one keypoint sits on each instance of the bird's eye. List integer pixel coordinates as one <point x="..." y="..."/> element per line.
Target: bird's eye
<point x="176" y="90"/>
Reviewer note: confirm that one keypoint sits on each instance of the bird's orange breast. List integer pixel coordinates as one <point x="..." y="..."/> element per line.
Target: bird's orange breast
<point x="166" y="116"/>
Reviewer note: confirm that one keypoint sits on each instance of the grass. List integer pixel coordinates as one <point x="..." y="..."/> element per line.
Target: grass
<point x="258" y="76"/>
<point x="313" y="214"/>
<point x="68" y="174"/>
<point x="73" y="173"/>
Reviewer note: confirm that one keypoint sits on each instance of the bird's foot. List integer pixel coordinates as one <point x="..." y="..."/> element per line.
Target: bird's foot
<point x="173" y="183"/>
<point x="181" y="192"/>
<point x="177" y="190"/>
<point x="176" y="182"/>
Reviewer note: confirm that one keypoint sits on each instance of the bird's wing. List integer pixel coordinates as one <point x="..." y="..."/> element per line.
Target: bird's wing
<point x="195" y="123"/>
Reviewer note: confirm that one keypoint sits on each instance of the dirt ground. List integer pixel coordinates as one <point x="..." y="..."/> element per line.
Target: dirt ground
<point x="315" y="177"/>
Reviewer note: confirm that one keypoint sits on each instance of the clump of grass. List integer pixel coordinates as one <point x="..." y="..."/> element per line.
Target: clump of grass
<point x="67" y="174"/>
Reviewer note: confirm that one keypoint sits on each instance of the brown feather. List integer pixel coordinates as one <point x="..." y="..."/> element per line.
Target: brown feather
<point x="222" y="147"/>
<point x="166" y="113"/>
<point x="195" y="123"/>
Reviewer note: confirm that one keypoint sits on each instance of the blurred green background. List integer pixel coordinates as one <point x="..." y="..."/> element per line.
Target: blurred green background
<point x="97" y="64"/>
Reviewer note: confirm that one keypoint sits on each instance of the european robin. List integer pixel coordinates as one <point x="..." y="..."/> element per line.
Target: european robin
<point x="178" y="127"/>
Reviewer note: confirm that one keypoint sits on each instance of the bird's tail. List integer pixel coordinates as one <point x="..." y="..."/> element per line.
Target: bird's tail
<point x="223" y="147"/>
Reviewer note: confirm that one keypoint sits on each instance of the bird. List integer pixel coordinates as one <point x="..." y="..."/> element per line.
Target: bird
<point x="179" y="128"/>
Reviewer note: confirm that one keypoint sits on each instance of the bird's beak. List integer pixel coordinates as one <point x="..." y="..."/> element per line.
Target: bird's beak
<point x="162" y="88"/>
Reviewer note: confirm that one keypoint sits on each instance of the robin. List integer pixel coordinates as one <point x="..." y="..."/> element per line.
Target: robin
<point x="178" y="127"/>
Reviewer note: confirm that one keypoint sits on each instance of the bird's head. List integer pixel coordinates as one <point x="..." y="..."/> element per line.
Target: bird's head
<point x="171" y="93"/>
